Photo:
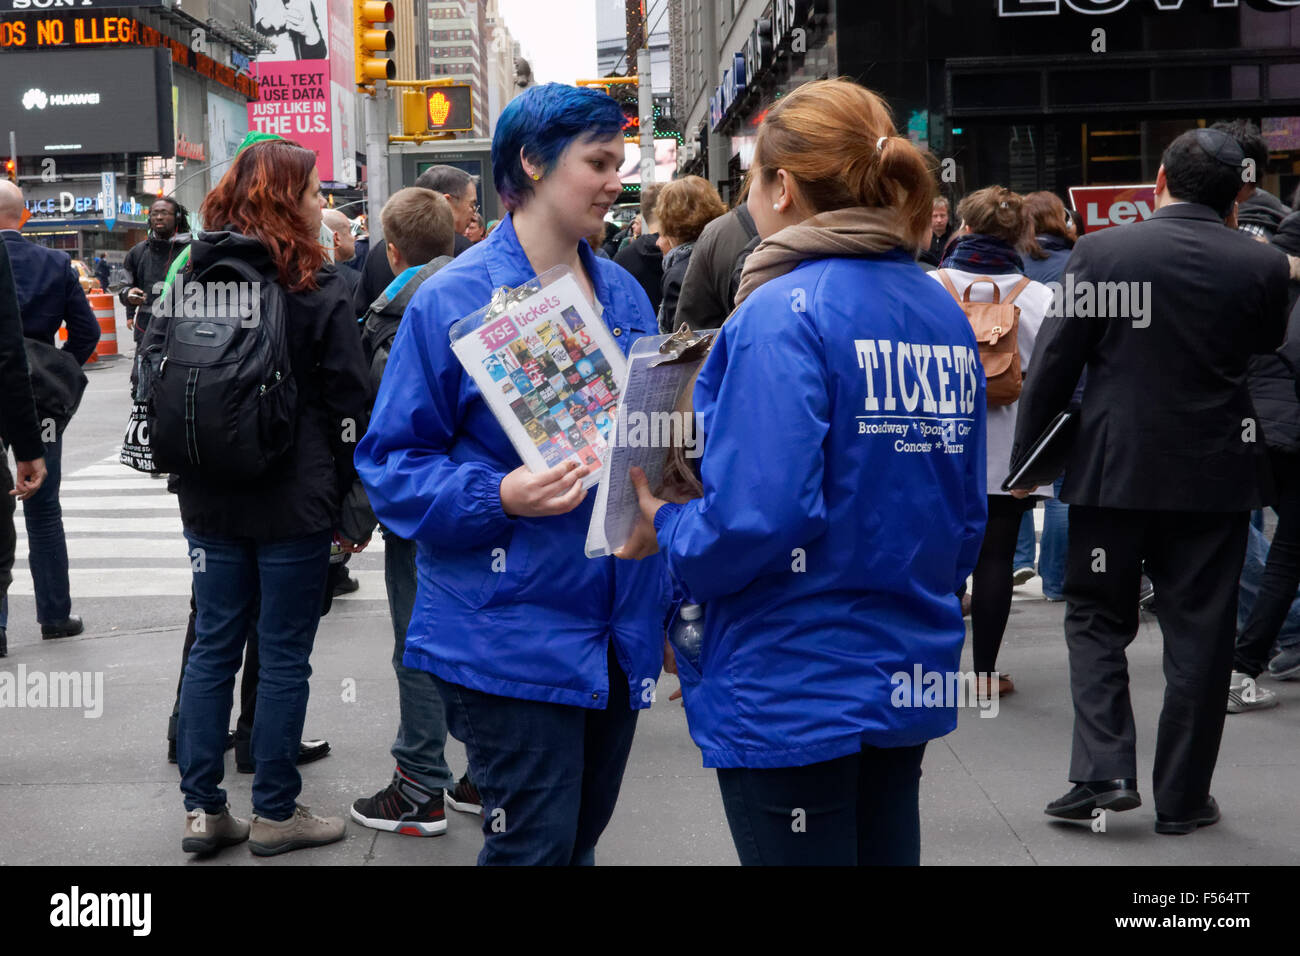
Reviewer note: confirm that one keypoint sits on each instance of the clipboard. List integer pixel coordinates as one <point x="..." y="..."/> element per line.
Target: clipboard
<point x="1046" y="459"/>
<point x="659" y="367"/>
<point x="549" y="370"/>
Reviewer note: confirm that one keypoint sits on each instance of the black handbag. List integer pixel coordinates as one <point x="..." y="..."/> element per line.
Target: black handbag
<point x="57" y="382"/>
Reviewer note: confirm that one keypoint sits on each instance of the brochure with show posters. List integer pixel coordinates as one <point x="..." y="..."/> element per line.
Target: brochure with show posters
<point x="549" y="370"/>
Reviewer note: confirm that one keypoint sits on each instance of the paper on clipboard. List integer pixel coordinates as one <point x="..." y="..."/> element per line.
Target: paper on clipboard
<point x="647" y="427"/>
<point x="548" y="369"/>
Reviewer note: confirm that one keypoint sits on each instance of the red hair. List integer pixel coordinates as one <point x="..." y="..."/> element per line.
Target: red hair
<point x="260" y="196"/>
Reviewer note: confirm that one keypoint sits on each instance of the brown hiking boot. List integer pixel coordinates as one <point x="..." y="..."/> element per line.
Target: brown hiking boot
<point x="209" y="832"/>
<point x="302" y="830"/>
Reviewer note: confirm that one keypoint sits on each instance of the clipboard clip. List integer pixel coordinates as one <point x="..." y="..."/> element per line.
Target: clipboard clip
<point x="504" y="298"/>
<point x="685" y="346"/>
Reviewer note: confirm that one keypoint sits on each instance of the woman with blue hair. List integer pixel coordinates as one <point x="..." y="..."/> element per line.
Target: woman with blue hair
<point x="543" y="656"/>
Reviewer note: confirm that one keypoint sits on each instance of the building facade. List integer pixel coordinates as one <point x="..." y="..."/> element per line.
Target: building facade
<point x="113" y="107"/>
<point x="458" y="44"/>
<point x="1033" y="94"/>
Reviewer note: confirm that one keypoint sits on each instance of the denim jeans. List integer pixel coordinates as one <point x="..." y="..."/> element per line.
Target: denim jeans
<point x="1026" y="543"/>
<point x="1266" y="611"/>
<point x="549" y="774"/>
<point x="1052" y="549"/>
<point x="47" y="549"/>
<point x="290" y="577"/>
<point x="421" y="719"/>
<point x="859" y="810"/>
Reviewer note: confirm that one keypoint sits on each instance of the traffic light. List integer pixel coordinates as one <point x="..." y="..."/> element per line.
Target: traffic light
<point x="445" y="108"/>
<point x="11" y="171"/>
<point x="373" y="41"/>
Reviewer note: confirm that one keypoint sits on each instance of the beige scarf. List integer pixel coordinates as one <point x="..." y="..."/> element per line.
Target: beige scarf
<point x="855" y="231"/>
<point x="842" y="232"/>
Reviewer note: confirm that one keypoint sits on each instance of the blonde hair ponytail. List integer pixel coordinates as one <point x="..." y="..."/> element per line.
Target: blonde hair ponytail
<point x="836" y="139"/>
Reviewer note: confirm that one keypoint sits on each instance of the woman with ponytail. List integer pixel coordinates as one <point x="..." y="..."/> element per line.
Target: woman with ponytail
<point x="843" y="497"/>
<point x="995" y="222"/>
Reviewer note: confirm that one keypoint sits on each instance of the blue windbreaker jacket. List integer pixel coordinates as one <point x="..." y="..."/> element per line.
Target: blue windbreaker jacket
<point x="844" y="504"/>
<point x="432" y="461"/>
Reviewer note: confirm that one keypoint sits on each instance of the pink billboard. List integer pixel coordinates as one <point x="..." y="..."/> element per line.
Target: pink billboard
<point x="305" y="81"/>
<point x="294" y="102"/>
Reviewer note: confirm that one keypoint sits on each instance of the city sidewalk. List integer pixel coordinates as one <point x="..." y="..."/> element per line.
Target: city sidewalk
<point x="99" y="791"/>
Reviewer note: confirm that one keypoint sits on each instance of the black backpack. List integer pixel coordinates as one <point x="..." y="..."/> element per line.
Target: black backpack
<point x="221" y="396"/>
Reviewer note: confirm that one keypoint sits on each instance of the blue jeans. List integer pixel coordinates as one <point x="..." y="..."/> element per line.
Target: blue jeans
<point x="46" y="546"/>
<point x="290" y="578"/>
<point x="1051" y="551"/>
<point x="549" y="774"/>
<point x="859" y="810"/>
<point x="1026" y="543"/>
<point x="421" y="719"/>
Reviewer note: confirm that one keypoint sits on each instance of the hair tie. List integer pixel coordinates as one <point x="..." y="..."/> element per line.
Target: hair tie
<point x="880" y="143"/>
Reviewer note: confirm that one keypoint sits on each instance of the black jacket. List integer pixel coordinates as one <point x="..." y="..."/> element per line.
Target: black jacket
<point x="49" y="296"/>
<point x="19" y="426"/>
<point x="303" y="492"/>
<point x="1165" y="422"/>
<point x="1272" y="383"/>
<point x="146" y="266"/>
<point x="675" y="265"/>
<point x="707" y="298"/>
<point x="642" y="258"/>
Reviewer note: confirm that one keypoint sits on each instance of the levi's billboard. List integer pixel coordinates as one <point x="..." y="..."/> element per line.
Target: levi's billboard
<point x="1051" y="8"/>
<point x="1104" y="206"/>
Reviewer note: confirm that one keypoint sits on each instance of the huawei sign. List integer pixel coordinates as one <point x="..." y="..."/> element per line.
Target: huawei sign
<point x="38" y="99"/>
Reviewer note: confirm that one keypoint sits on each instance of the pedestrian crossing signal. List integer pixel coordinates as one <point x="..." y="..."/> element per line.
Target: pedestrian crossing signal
<point x="11" y="170"/>
<point x="445" y="108"/>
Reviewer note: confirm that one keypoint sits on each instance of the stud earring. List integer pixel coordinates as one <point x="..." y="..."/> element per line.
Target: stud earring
<point x="776" y="206"/>
<point x="537" y="177"/>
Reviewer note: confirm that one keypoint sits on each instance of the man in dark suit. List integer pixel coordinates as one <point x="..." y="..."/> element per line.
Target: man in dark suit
<point x="49" y="296"/>
<point x="19" y="428"/>
<point x="1168" y="463"/>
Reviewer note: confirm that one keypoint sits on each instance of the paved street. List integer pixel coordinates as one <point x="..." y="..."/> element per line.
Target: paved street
<point x="99" y="791"/>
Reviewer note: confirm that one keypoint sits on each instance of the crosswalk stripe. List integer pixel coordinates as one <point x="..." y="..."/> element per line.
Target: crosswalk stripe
<point x="77" y="524"/>
<point x="117" y="502"/>
<point x="167" y="582"/>
<point x="139" y="522"/>
<point x="108" y="484"/>
<point x="116" y="547"/>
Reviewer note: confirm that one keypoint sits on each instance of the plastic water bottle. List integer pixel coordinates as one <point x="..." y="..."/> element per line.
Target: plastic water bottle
<point x="687" y="635"/>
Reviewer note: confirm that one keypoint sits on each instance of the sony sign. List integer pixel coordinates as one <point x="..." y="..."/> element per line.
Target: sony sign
<point x="1051" y="8"/>
<point x="758" y="49"/>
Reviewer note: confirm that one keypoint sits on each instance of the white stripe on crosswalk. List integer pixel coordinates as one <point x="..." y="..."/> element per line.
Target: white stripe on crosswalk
<point x="141" y="523"/>
<point x="109" y="484"/>
<point x="116" y="547"/>
<point x="117" y="502"/>
<point x="112" y="471"/>
<point x="167" y="582"/>
<point x="75" y="524"/>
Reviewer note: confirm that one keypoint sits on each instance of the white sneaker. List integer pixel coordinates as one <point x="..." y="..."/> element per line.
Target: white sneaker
<point x="1244" y="693"/>
<point x="1021" y="575"/>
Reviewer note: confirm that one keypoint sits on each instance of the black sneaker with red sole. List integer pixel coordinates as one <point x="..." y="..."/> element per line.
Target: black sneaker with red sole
<point x="403" y="807"/>
<point x="465" y="797"/>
